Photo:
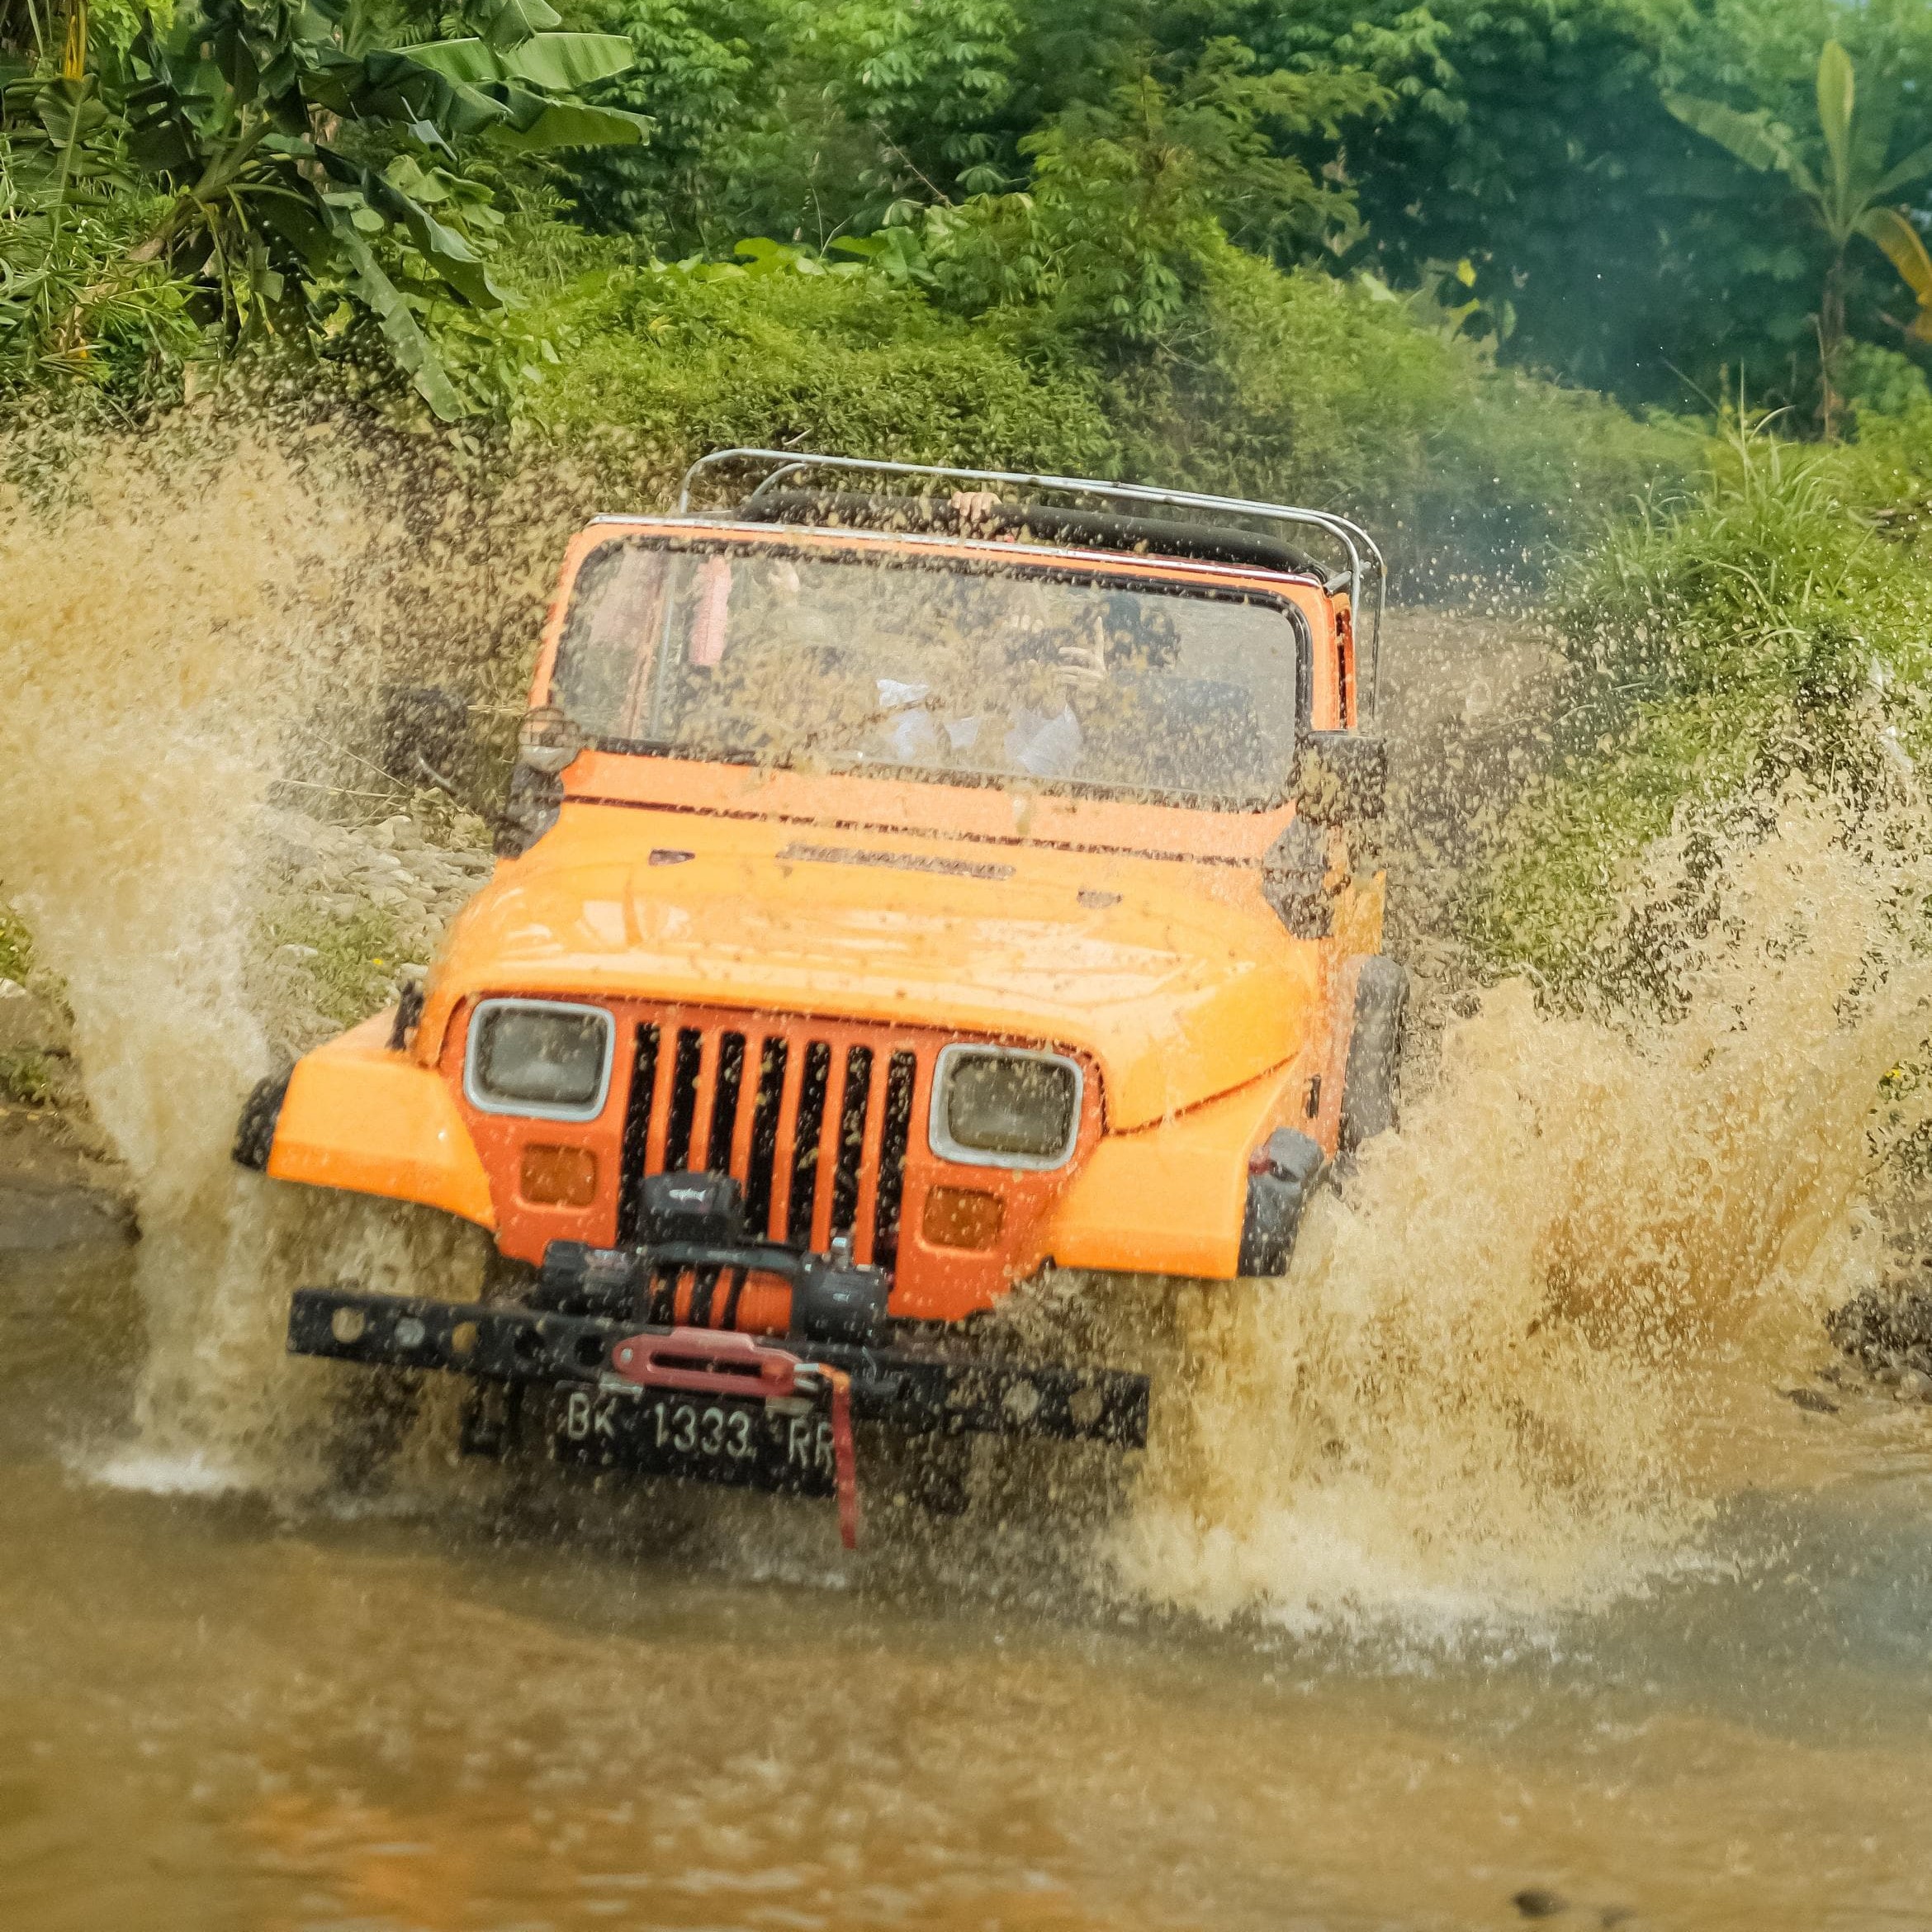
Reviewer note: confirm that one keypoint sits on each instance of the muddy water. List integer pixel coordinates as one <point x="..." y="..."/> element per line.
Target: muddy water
<point x="222" y="1714"/>
<point x="1482" y="1568"/>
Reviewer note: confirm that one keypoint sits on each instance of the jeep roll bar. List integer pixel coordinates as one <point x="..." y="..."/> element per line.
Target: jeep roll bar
<point x="1362" y="552"/>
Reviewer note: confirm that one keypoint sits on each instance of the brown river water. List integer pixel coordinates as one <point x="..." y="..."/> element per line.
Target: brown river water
<point x="1481" y="1570"/>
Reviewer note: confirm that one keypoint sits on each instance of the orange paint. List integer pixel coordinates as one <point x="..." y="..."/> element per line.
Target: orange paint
<point x="783" y="983"/>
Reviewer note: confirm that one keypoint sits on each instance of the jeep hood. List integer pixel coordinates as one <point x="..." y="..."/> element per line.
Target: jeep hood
<point x="1171" y="974"/>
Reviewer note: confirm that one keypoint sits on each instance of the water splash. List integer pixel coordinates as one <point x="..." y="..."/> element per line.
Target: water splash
<point x="1538" y="1336"/>
<point x="1516" y="1362"/>
<point x="179" y="613"/>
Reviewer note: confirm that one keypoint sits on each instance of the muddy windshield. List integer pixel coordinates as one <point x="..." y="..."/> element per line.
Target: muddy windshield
<point x="932" y="669"/>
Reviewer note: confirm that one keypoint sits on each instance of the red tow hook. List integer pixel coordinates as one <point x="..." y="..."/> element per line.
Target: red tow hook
<point x="713" y="1361"/>
<point x="845" y="1455"/>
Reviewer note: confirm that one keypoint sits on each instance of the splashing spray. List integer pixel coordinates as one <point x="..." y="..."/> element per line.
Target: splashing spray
<point x="1536" y="1339"/>
<point x="176" y="618"/>
<point x="1513" y="1362"/>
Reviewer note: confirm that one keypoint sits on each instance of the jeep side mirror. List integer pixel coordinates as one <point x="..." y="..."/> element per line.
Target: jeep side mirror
<point x="1339" y="776"/>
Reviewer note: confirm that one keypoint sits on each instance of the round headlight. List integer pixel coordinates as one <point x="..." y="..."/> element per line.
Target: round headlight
<point x="1006" y="1107"/>
<point x="535" y="1057"/>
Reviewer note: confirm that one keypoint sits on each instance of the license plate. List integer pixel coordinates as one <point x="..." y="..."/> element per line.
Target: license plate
<point x="704" y="1438"/>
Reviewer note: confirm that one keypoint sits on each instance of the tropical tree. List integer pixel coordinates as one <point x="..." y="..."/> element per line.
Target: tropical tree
<point x="1853" y="197"/>
<point x="309" y="176"/>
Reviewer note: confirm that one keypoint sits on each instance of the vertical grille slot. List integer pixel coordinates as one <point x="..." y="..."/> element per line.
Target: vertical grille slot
<point x="805" y="1140"/>
<point x="851" y="1145"/>
<point x="818" y="1132"/>
<point x="637" y="1134"/>
<point x="683" y="1100"/>
<point x="724" y="1113"/>
<point x="765" y="1133"/>
<point x="897" y="1131"/>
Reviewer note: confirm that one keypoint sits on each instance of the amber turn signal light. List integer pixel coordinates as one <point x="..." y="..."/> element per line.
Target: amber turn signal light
<point x="559" y="1177"/>
<point x="962" y="1217"/>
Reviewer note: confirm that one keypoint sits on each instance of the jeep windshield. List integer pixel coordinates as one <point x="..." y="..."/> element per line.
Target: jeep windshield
<point x="931" y="668"/>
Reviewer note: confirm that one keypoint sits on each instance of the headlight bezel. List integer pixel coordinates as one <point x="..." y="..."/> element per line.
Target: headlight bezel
<point x="939" y="1126"/>
<point x="479" y="1095"/>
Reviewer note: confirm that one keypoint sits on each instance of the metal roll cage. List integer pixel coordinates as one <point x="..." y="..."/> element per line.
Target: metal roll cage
<point x="1362" y="552"/>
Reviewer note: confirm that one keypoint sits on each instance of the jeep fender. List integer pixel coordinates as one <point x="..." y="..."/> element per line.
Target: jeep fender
<point x="362" y="1116"/>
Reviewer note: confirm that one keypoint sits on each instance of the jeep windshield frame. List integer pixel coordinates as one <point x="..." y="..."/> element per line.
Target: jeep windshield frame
<point x="914" y="734"/>
<point x="779" y="470"/>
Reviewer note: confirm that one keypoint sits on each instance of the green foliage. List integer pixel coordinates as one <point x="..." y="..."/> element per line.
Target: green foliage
<point x="300" y="168"/>
<point x="807" y="122"/>
<point x="1290" y="386"/>
<point x="1608" y="243"/>
<point x="350" y="964"/>
<point x="801" y="122"/>
<point x="672" y="362"/>
<point x="1545" y="906"/>
<point x="73" y="302"/>
<point x="298" y="149"/>
<point x="925" y="79"/>
<point x="1878" y="383"/>
<point x="1849" y="195"/>
<point x="693" y="75"/>
<point x="1342" y="395"/>
<point x="1130" y="200"/>
<point x="1528" y="144"/>
<point x="17" y="946"/>
<point x="27" y="1079"/>
<point x="1777" y="619"/>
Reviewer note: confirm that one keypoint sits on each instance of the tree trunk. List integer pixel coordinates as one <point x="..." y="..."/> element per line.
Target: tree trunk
<point x="1830" y="346"/>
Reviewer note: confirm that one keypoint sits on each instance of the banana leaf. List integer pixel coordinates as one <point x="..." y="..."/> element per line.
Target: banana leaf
<point x="508" y="23"/>
<point x="559" y="63"/>
<point x="407" y="342"/>
<point x="571" y="124"/>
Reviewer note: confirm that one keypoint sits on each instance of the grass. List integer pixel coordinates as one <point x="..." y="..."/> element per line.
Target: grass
<point x="17" y="946"/>
<point x="27" y="1079"/>
<point x="1773" y="622"/>
<point x="350" y="962"/>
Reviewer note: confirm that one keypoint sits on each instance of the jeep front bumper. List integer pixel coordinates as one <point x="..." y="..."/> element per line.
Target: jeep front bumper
<point x="918" y="1390"/>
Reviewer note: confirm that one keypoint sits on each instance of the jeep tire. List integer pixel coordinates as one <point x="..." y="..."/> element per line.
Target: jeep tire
<point x="1371" y="1088"/>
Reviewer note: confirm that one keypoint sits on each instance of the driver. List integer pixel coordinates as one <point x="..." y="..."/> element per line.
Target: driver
<point x="1039" y="689"/>
<point x="1083" y="660"/>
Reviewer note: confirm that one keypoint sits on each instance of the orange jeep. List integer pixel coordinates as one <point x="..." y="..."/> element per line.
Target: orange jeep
<point x="904" y="889"/>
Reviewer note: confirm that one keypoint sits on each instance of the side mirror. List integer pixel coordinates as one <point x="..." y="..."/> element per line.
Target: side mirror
<point x="1340" y="776"/>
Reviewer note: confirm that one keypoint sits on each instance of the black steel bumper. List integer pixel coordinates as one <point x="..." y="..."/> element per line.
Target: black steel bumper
<point x="915" y="1390"/>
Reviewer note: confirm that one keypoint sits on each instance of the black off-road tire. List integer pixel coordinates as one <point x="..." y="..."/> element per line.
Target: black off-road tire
<point x="1372" y="1087"/>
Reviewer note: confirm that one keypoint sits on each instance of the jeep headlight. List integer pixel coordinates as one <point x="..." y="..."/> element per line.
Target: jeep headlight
<point x="539" y="1056"/>
<point x="1005" y="1107"/>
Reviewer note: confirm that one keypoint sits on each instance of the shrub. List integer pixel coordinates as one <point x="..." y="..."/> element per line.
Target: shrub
<point x="669" y="363"/>
<point x="1291" y="386"/>
<point x="1343" y="395"/>
<point x="1775" y="620"/>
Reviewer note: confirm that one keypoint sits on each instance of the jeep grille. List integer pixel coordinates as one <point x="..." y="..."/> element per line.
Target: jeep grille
<point x="811" y="1116"/>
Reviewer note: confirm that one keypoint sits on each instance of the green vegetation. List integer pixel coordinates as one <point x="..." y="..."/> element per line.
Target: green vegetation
<point x="17" y="947"/>
<point x="1853" y="197"/>
<point x="27" y="1079"/>
<point x="410" y="191"/>
<point x="277" y="164"/>
<point x="1475" y="270"/>
<point x="1774" y="623"/>
<point x="1078" y="205"/>
<point x="350" y="964"/>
